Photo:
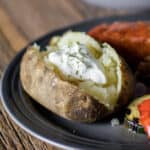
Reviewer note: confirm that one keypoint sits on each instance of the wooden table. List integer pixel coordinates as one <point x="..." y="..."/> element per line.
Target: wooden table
<point x="20" y="22"/>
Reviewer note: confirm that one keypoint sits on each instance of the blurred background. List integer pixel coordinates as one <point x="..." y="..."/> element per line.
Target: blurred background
<point x="130" y="5"/>
<point x="33" y="18"/>
<point x="24" y="20"/>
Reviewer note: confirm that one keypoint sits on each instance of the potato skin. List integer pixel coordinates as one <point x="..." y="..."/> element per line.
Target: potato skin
<point x="128" y="85"/>
<point x="61" y="97"/>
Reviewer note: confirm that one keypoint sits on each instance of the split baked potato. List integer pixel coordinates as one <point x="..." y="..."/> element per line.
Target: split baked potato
<point x="99" y="85"/>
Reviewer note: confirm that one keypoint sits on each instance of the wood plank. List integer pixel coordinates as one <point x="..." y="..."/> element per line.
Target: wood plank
<point x="37" y="17"/>
<point x="14" y="37"/>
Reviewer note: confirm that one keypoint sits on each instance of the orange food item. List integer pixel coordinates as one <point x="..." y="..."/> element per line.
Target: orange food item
<point x="144" y="109"/>
<point x="130" y="39"/>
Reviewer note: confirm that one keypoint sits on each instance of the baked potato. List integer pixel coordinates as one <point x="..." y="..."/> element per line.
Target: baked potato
<point x="77" y="77"/>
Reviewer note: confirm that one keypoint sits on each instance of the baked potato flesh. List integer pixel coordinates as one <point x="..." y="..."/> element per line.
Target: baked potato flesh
<point x="108" y="61"/>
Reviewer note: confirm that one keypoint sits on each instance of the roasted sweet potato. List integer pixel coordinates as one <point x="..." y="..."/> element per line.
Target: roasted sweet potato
<point x="130" y="39"/>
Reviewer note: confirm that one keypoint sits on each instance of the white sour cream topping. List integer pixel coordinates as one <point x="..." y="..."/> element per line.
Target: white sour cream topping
<point x="76" y="61"/>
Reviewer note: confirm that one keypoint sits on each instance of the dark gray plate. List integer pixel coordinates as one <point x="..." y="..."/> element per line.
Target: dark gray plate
<point x="55" y="130"/>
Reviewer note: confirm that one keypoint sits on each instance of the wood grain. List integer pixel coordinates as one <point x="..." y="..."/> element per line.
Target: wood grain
<point x="20" y="22"/>
<point x="9" y="30"/>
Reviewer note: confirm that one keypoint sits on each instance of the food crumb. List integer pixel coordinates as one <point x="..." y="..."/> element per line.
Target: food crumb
<point x="115" y="122"/>
<point x="36" y="46"/>
<point x="131" y="131"/>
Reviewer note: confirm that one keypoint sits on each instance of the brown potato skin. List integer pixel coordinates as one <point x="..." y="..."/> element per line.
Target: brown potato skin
<point x="128" y="85"/>
<point x="61" y="97"/>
